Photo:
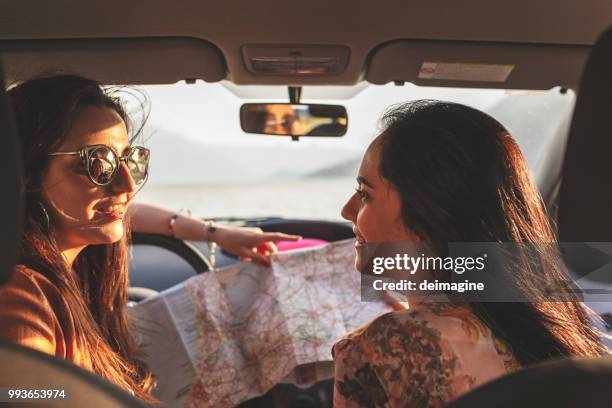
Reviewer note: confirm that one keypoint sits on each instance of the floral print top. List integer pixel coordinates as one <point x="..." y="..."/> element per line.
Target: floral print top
<point x="424" y="356"/>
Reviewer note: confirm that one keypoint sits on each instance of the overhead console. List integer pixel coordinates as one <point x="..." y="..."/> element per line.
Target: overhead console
<point x="117" y="60"/>
<point x="295" y="60"/>
<point x="477" y="64"/>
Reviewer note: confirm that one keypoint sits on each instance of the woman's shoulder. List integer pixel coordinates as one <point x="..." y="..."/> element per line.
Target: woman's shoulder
<point x="402" y="355"/>
<point x="428" y="353"/>
<point x="434" y="329"/>
<point x="29" y="291"/>
<point x="32" y="281"/>
<point x="34" y="313"/>
<point x="422" y="322"/>
<point x="28" y="310"/>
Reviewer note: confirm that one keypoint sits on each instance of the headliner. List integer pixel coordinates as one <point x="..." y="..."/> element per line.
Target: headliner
<point x="362" y="26"/>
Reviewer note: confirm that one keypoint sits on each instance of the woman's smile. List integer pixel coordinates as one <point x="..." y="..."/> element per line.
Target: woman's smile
<point x="359" y="239"/>
<point x="110" y="210"/>
<point x="114" y="212"/>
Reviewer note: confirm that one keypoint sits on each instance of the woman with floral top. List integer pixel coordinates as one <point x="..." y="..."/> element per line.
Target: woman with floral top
<point x="438" y="173"/>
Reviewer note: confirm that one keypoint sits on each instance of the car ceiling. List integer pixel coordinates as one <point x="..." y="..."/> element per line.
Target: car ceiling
<point x="547" y="41"/>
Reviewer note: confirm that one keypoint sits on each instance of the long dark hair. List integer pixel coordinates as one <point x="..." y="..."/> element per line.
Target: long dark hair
<point x="96" y="287"/>
<point x="461" y="177"/>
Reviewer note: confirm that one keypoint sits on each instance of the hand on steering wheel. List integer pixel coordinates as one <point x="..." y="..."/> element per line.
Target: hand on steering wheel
<point x="250" y="244"/>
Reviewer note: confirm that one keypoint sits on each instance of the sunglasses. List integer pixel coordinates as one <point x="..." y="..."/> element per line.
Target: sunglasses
<point x="102" y="163"/>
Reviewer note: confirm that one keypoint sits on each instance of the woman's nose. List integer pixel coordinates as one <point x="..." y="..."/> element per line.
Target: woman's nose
<point x="349" y="211"/>
<point x="124" y="183"/>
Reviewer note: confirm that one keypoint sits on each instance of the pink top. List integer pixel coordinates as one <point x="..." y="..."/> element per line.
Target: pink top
<point x="424" y="356"/>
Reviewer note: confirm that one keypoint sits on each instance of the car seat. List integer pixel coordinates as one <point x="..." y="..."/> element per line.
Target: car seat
<point x="568" y="383"/>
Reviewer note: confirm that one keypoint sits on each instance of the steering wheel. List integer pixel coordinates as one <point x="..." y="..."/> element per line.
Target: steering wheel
<point x="185" y="250"/>
<point x="148" y="282"/>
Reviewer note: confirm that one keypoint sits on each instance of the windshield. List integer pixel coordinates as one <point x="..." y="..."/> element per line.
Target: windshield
<point x="203" y="161"/>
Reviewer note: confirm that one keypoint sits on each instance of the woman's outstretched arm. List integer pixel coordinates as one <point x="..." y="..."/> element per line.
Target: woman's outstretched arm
<point x="247" y="243"/>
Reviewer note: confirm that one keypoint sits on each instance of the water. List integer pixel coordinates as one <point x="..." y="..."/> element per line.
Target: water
<point x="307" y="198"/>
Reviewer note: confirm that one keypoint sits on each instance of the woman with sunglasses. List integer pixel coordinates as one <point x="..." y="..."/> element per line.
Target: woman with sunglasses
<point x="81" y="171"/>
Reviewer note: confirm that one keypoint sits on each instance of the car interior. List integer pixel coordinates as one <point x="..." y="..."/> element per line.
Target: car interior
<point x="515" y="46"/>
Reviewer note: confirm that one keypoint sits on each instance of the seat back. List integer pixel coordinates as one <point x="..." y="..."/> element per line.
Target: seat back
<point x="568" y="383"/>
<point x="585" y="198"/>
<point x="10" y="182"/>
<point x="23" y="368"/>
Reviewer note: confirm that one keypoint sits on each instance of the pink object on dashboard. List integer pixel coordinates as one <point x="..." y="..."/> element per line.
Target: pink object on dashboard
<point x="303" y="243"/>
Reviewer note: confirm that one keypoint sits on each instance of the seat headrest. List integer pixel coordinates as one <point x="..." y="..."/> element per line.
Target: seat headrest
<point x="11" y="206"/>
<point x="566" y="382"/>
<point x="585" y="198"/>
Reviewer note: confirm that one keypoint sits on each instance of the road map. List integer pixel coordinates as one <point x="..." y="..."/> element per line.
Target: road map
<point x="221" y="338"/>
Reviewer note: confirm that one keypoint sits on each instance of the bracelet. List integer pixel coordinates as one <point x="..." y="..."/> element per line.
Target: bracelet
<point x="171" y="224"/>
<point x="210" y="228"/>
<point x="212" y="249"/>
<point x="174" y="218"/>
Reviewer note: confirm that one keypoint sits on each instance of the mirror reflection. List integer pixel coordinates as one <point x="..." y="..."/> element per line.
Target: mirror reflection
<point x="286" y="119"/>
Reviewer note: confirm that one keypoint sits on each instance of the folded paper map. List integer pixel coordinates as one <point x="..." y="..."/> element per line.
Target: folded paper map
<point x="227" y="336"/>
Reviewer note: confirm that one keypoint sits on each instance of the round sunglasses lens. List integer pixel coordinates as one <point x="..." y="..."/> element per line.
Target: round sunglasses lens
<point x="102" y="165"/>
<point x="138" y="164"/>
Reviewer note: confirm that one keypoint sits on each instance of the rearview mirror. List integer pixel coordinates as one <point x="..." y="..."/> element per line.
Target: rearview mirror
<point x="294" y="120"/>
